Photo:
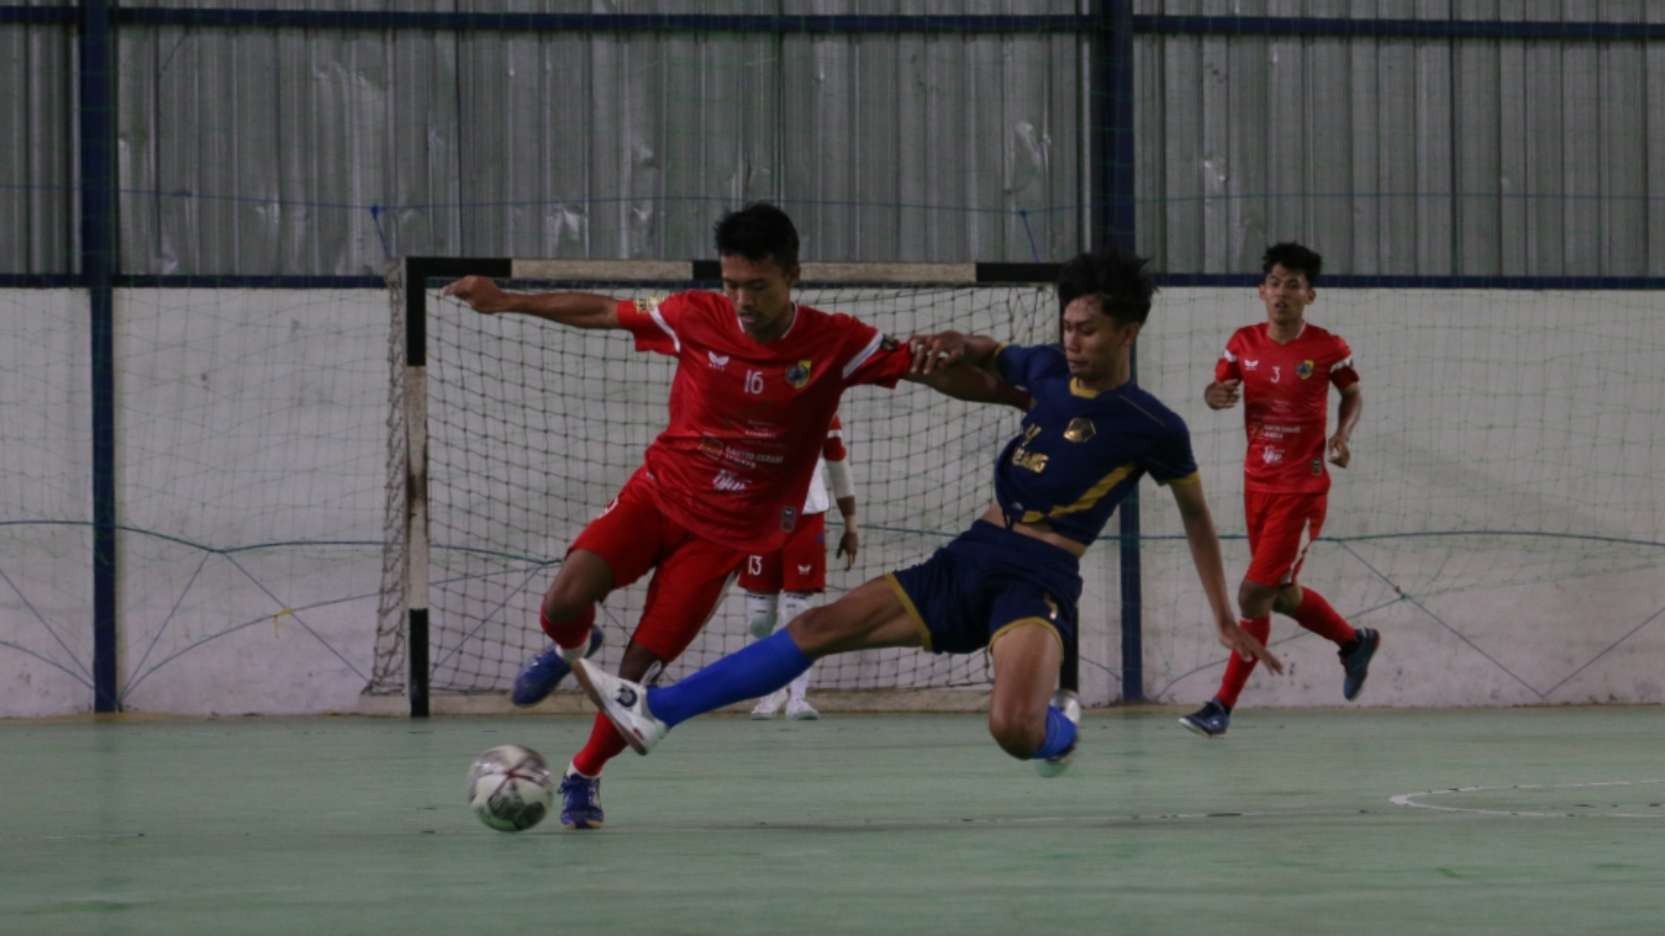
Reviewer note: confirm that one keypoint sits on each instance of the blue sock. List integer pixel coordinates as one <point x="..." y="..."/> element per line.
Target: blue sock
<point x="757" y="670"/>
<point x="1060" y="734"/>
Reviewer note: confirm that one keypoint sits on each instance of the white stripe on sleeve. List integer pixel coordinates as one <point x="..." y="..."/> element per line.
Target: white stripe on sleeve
<point x="862" y="355"/>
<point x="665" y="327"/>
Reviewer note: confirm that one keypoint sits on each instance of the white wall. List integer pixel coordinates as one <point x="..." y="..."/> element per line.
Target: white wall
<point x="1501" y="523"/>
<point x="252" y="432"/>
<point x="45" y="503"/>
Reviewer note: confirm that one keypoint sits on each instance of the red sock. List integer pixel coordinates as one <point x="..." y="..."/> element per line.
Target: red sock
<point x="570" y="633"/>
<point x="1237" y="668"/>
<point x="605" y="744"/>
<point x="1316" y="615"/>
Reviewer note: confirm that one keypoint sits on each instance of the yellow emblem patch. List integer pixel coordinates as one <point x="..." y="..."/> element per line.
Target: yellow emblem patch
<point x="1080" y="429"/>
<point x="797" y="376"/>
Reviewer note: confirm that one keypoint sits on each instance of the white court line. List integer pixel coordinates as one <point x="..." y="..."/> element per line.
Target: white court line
<point x="1410" y="800"/>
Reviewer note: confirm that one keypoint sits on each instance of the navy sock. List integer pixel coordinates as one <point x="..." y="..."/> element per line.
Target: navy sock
<point x="753" y="671"/>
<point x="1060" y="734"/>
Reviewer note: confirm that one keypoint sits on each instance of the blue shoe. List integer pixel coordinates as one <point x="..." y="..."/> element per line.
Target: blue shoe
<point x="581" y="801"/>
<point x="1068" y="702"/>
<point x="1356" y="661"/>
<point x="1210" y="721"/>
<point x="545" y="672"/>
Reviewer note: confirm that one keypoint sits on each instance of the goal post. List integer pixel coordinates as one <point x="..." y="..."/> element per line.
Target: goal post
<point x="507" y="434"/>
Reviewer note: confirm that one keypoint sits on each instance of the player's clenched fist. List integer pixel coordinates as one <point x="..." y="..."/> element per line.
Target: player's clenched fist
<point x="481" y="294"/>
<point x="1223" y="394"/>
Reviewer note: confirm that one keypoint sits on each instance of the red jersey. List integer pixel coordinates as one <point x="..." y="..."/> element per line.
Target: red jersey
<point x="1286" y="389"/>
<point x="748" y="420"/>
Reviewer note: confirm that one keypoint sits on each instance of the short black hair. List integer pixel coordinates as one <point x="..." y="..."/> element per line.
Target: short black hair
<point x="758" y="231"/>
<point x="1118" y="278"/>
<point x="1294" y="258"/>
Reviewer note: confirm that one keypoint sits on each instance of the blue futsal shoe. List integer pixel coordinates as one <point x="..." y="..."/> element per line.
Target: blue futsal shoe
<point x="1356" y="661"/>
<point x="1210" y="721"/>
<point x="545" y="672"/>
<point x="1069" y="703"/>
<point x="581" y="801"/>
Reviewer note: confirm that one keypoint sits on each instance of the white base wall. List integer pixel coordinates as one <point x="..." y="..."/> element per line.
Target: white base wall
<point x="1502" y="525"/>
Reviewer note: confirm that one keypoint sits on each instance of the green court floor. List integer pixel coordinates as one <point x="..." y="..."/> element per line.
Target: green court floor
<point x="1363" y="821"/>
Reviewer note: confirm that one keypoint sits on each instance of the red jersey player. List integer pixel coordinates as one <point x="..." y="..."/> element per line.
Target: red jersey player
<point x="757" y="382"/>
<point x="781" y="585"/>
<point x="1283" y="369"/>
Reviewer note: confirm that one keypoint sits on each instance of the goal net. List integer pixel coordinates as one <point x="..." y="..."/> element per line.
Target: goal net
<point x="530" y="429"/>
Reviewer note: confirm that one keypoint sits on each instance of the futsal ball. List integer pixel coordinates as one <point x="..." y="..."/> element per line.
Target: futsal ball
<point x="509" y="788"/>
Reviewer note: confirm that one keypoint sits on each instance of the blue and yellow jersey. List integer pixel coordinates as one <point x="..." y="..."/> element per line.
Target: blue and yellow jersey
<point x="1081" y="451"/>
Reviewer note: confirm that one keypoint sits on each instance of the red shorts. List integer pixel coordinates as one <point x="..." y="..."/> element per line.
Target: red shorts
<point x="800" y="565"/>
<point x="1281" y="527"/>
<point x="691" y="574"/>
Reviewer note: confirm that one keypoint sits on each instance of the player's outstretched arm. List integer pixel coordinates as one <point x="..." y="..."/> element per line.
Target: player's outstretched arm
<point x="1205" y="554"/>
<point x="580" y="310"/>
<point x="962" y="366"/>
<point x="945" y="349"/>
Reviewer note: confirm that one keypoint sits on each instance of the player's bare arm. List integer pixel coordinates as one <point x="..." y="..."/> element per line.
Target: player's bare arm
<point x="1352" y="405"/>
<point x="1223" y="394"/>
<point x="579" y="310"/>
<point x="932" y="353"/>
<point x="851" y="540"/>
<point x="1205" y="555"/>
<point x="962" y="366"/>
<point x="964" y="381"/>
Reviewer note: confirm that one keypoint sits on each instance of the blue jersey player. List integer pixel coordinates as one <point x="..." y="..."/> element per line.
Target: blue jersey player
<point x="1011" y="582"/>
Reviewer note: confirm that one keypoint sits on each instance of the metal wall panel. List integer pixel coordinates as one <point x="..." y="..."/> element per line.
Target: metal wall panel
<point x="38" y="166"/>
<point x="288" y="151"/>
<point x="1424" y="157"/>
<point x="296" y="151"/>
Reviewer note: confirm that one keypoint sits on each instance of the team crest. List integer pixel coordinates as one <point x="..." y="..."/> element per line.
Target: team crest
<point x="1080" y="429"/>
<point x="1303" y="370"/>
<point x="647" y="304"/>
<point x="797" y="376"/>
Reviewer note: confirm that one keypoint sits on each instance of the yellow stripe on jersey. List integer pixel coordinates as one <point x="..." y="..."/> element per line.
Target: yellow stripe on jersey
<point x="913" y="612"/>
<point x="1096" y="492"/>
<point x="1079" y="389"/>
<point x="1194" y="477"/>
<point x="1010" y="626"/>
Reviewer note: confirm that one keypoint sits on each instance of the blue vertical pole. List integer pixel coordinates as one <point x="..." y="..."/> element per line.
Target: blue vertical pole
<point x="98" y="227"/>
<point x="1113" y="203"/>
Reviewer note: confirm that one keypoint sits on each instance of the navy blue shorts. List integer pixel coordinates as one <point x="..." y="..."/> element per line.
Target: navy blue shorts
<point x="986" y="579"/>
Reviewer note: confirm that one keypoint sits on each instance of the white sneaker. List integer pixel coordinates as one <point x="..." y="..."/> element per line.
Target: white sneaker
<point x="624" y="703"/>
<point x="801" y="710"/>
<point x="769" y="706"/>
<point x="1070" y="704"/>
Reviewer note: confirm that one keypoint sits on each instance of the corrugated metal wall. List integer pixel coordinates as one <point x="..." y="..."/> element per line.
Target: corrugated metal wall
<point x="1472" y="157"/>
<point x="38" y="171"/>
<point x="329" y="152"/>
<point x="326" y="152"/>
